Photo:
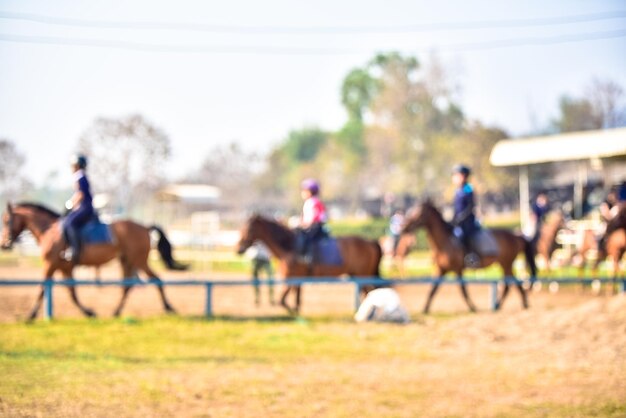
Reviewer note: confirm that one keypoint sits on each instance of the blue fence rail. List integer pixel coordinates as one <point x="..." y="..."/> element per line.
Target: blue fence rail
<point x="48" y="286"/>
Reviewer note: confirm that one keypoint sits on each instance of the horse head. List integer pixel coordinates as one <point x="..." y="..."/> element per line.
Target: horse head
<point x="12" y="227"/>
<point x="248" y="234"/>
<point x="414" y="220"/>
<point x="272" y="233"/>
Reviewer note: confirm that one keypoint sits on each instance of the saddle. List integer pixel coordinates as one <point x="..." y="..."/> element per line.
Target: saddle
<point x="95" y="232"/>
<point x="326" y="251"/>
<point x="483" y="243"/>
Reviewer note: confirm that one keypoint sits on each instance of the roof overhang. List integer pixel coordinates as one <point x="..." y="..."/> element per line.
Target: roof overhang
<point x="190" y="193"/>
<point x="564" y="147"/>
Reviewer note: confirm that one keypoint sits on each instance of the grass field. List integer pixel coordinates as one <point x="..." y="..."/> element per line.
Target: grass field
<point x="551" y="363"/>
<point x="565" y="357"/>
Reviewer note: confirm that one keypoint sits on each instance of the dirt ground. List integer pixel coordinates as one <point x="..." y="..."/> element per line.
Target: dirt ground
<point x="572" y="343"/>
<point x="16" y="302"/>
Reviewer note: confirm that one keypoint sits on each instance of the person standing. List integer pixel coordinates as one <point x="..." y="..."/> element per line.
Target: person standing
<point x="260" y="256"/>
<point x="395" y="228"/>
<point x="539" y="210"/>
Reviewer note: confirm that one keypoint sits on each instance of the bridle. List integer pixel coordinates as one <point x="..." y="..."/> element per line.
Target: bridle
<point x="12" y="238"/>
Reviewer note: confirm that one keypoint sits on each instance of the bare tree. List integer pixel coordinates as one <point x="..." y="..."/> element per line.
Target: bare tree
<point x="12" y="181"/>
<point x="607" y="100"/>
<point x="233" y="170"/>
<point x="127" y="156"/>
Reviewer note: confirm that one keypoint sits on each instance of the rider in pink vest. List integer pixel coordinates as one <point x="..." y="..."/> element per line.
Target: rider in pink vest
<point x="313" y="218"/>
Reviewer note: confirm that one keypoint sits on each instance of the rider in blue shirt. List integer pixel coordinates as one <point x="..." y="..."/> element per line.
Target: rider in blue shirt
<point x="81" y="206"/>
<point x="464" y="219"/>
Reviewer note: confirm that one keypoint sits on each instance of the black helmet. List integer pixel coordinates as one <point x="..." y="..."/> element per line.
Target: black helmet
<point x="462" y="169"/>
<point x="80" y="160"/>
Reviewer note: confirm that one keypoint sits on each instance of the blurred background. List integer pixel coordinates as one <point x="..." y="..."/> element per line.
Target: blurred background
<point x="196" y="115"/>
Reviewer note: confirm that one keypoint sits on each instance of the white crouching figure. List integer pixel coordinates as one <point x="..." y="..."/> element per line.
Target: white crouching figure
<point x="382" y="305"/>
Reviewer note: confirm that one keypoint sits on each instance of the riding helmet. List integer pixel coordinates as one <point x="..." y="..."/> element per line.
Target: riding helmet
<point x="311" y="185"/>
<point x="80" y="160"/>
<point x="461" y="169"/>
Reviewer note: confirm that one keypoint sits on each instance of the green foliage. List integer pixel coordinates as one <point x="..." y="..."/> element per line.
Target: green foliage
<point x="576" y="115"/>
<point x="302" y="146"/>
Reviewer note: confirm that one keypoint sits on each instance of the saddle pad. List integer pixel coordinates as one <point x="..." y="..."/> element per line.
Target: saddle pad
<point x="95" y="232"/>
<point x="484" y="243"/>
<point x="326" y="251"/>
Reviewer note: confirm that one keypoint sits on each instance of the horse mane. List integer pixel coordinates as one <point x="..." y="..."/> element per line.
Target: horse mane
<point x="430" y="205"/>
<point x="40" y="208"/>
<point x="619" y="221"/>
<point x="282" y="234"/>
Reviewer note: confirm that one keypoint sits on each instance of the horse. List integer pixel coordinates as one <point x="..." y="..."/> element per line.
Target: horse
<point x="613" y="244"/>
<point x="406" y="243"/>
<point x="131" y="244"/>
<point x="448" y="253"/>
<point x="361" y="257"/>
<point x="546" y="243"/>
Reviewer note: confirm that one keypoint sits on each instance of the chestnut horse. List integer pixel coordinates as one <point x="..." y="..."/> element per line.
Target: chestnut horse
<point x="131" y="244"/>
<point x="406" y="243"/>
<point x="613" y="245"/>
<point x="361" y="258"/>
<point x="448" y="253"/>
<point x="546" y="244"/>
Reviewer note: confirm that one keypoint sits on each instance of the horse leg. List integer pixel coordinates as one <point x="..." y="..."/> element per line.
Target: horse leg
<point x="505" y="292"/>
<point x="283" y="299"/>
<point x="67" y="274"/>
<point x="433" y="290"/>
<point x="469" y="302"/>
<point x="155" y="279"/>
<point x="48" y="276"/>
<point x="298" y="299"/>
<point x="522" y="292"/>
<point x="127" y="273"/>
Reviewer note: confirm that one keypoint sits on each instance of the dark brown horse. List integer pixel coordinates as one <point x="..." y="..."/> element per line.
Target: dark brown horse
<point x="448" y="253"/>
<point x="131" y="244"/>
<point x="361" y="258"/>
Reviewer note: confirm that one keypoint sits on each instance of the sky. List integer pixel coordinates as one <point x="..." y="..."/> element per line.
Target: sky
<point x="210" y="73"/>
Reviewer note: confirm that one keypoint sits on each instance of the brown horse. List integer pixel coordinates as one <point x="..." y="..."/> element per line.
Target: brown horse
<point x="612" y="245"/>
<point x="131" y="244"/>
<point x="361" y="258"/>
<point x="406" y="243"/>
<point x="448" y="253"/>
<point x="546" y="244"/>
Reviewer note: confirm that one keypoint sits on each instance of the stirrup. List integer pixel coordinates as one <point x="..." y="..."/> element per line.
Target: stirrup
<point x="472" y="260"/>
<point x="67" y="254"/>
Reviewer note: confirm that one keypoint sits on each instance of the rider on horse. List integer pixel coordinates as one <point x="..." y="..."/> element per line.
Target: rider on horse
<point x="464" y="219"/>
<point x="313" y="218"/>
<point x="81" y="209"/>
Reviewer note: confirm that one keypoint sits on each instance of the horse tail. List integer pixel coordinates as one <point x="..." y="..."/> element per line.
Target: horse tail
<point x="165" y="249"/>
<point x="529" y="252"/>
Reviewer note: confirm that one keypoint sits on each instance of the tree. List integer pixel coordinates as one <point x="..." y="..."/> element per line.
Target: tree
<point x="607" y="100"/>
<point x="233" y="171"/>
<point x="602" y="107"/>
<point x="12" y="182"/>
<point x="126" y="157"/>
<point x="576" y="115"/>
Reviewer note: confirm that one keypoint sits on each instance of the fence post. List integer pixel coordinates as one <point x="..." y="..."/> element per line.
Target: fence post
<point x="494" y="296"/>
<point x="357" y="296"/>
<point x="208" y="308"/>
<point x="48" y="309"/>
